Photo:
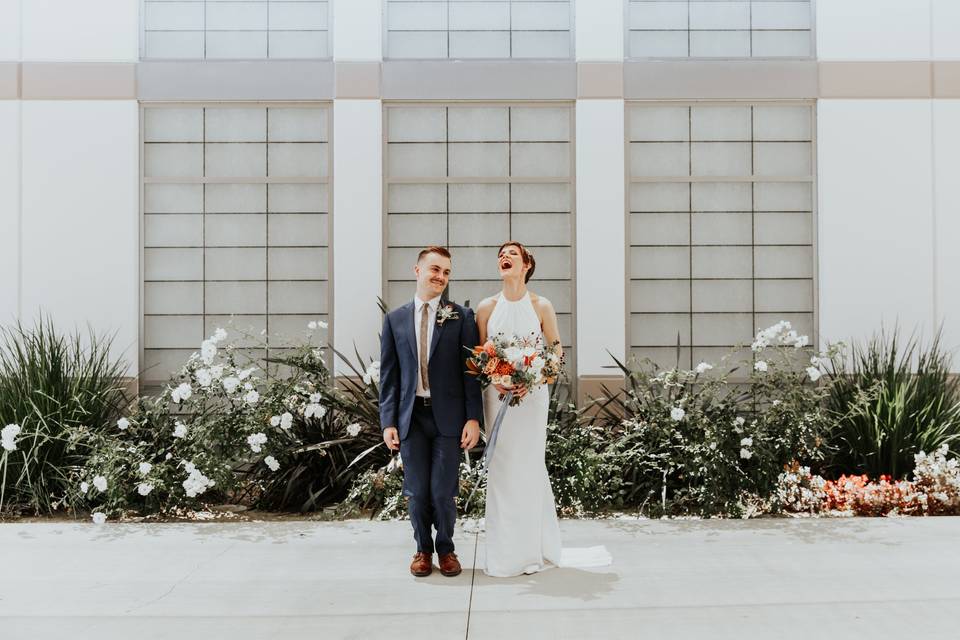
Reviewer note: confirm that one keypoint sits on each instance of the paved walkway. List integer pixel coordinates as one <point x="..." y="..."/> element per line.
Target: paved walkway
<point x="770" y="579"/>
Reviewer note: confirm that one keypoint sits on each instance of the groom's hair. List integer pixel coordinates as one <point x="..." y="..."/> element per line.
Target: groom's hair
<point x="433" y="249"/>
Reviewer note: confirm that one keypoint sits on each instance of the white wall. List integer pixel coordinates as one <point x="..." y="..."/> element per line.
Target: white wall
<point x="357" y="226"/>
<point x="356" y="30"/>
<point x="601" y="254"/>
<point x="946" y="145"/>
<point x="873" y="29"/>
<point x="875" y="216"/>
<point x="71" y="30"/>
<point x="9" y="209"/>
<point x="946" y="29"/>
<point x="599" y="29"/>
<point x="80" y="238"/>
<point x="9" y="30"/>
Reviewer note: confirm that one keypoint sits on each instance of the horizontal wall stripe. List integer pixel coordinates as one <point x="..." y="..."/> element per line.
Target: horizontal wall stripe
<point x="78" y="81"/>
<point x="480" y="80"/>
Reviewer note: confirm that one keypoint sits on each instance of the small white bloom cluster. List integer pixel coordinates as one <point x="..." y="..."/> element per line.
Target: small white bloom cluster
<point x="677" y="414"/>
<point x="372" y="374"/>
<point x="100" y="483"/>
<point x="313" y="325"/>
<point x="144" y="488"/>
<point x="939" y="479"/>
<point x="745" y="445"/>
<point x="99" y="517"/>
<point x="145" y="468"/>
<point x="181" y="393"/>
<point x="284" y="420"/>
<point x="314" y="409"/>
<point x="798" y="490"/>
<point x="779" y="334"/>
<point x="8" y="437"/>
<point x="179" y="430"/>
<point x="196" y="483"/>
<point x="272" y="463"/>
<point x="123" y="424"/>
<point x="256" y="441"/>
<point x="208" y="348"/>
<point x="354" y="429"/>
<point x="703" y="367"/>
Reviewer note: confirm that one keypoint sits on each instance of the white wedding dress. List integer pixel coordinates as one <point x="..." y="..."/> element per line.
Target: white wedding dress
<point x="522" y="531"/>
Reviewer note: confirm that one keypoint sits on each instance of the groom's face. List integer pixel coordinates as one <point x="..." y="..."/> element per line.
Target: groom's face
<point x="433" y="273"/>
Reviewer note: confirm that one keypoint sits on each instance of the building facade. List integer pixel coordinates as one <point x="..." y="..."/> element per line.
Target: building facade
<point x="685" y="171"/>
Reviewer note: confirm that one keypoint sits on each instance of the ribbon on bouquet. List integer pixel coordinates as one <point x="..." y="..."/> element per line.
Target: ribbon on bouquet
<point x="491" y="445"/>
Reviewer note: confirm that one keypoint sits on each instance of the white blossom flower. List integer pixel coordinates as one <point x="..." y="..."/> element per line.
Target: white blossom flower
<point x="189" y="467"/>
<point x="372" y="374"/>
<point x="230" y="384"/>
<point x="251" y="397"/>
<point x="256" y="441"/>
<point x="179" y="430"/>
<point x="814" y="373"/>
<point x="145" y="468"/>
<point x="274" y="421"/>
<point x="84" y="487"/>
<point x="100" y="483"/>
<point x="314" y="411"/>
<point x="713" y="446"/>
<point x="286" y="420"/>
<point x="144" y="488"/>
<point x="271" y="462"/>
<point x="168" y="456"/>
<point x="219" y="335"/>
<point x="99" y="517"/>
<point x="204" y="378"/>
<point x="746" y="454"/>
<point x="243" y="374"/>
<point x="123" y="424"/>
<point x="760" y="365"/>
<point x="181" y="393"/>
<point x="746" y="442"/>
<point x="739" y="421"/>
<point x="677" y="414"/>
<point x="8" y="436"/>
<point x="354" y="429"/>
<point x="801" y="342"/>
<point x="315" y="398"/>
<point x="703" y="367"/>
<point x="216" y="371"/>
<point x="315" y="324"/>
<point x="196" y="483"/>
<point x="208" y="351"/>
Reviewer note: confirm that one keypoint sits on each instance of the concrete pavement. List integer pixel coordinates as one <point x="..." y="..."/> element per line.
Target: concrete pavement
<point x="767" y="578"/>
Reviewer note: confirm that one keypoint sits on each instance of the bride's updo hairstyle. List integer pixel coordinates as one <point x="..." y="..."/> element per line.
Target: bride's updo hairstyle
<point x="526" y="255"/>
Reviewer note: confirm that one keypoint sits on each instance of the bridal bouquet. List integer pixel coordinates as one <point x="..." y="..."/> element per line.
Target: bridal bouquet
<point x="518" y="362"/>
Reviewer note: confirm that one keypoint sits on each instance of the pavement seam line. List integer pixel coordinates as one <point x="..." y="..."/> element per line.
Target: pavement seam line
<point x="473" y="577"/>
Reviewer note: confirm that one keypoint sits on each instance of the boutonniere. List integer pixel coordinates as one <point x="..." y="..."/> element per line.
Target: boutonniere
<point x="446" y="313"/>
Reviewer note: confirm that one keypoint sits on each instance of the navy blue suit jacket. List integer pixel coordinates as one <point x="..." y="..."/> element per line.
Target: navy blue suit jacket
<point x="455" y="394"/>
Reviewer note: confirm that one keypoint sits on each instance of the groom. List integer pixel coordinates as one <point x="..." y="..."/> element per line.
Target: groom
<point x="430" y="407"/>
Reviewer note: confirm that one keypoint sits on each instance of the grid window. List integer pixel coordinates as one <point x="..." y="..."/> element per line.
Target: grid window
<point x="720" y="29"/>
<point x="471" y="177"/>
<point x="235" y="29"/>
<point x="721" y="226"/>
<point x="235" y="225"/>
<point x="479" y="29"/>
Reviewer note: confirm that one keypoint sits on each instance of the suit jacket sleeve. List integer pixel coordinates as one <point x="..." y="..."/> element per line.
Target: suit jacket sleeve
<point x="469" y="338"/>
<point x="389" y="377"/>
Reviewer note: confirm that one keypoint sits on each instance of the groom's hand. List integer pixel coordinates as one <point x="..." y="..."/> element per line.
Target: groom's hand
<point x="391" y="438"/>
<point x="471" y="435"/>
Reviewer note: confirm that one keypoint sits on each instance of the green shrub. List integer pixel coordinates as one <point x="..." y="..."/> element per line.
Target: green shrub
<point x="50" y="384"/>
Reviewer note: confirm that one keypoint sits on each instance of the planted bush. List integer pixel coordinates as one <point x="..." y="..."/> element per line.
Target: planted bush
<point x="50" y="384"/>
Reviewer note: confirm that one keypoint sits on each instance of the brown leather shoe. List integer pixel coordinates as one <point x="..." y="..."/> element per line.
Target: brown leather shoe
<point x="449" y="565"/>
<point x="422" y="564"/>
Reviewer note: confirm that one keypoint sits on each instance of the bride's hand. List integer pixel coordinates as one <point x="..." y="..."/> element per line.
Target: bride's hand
<point x="518" y="392"/>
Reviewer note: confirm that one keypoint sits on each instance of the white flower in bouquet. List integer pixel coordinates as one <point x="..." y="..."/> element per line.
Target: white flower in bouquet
<point x="123" y="424"/>
<point x="271" y="462"/>
<point x="760" y="365"/>
<point x="703" y="367"/>
<point x="746" y="454"/>
<point x="251" y="397"/>
<point x="179" y="430"/>
<point x="84" y="487"/>
<point x="204" y="377"/>
<point x="145" y="468"/>
<point x="219" y="335"/>
<point x="8" y="436"/>
<point x="230" y="384"/>
<point x="98" y="517"/>
<point x="814" y="373"/>
<point x="354" y="429"/>
<point x="514" y="355"/>
<point x="372" y="374"/>
<point x="144" y="488"/>
<point x="208" y="351"/>
<point x="100" y="483"/>
<point x="181" y="393"/>
<point x="256" y="441"/>
<point x="677" y="414"/>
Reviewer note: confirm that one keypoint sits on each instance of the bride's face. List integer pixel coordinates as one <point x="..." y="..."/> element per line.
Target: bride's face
<point x="510" y="262"/>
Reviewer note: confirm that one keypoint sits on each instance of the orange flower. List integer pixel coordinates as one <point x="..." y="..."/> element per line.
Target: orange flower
<point x="504" y="369"/>
<point x="491" y="365"/>
<point x="489" y="348"/>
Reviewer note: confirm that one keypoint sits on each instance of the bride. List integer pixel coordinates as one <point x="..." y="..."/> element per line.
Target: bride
<point x="522" y="531"/>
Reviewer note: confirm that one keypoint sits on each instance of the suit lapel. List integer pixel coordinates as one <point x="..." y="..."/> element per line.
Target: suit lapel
<point x="411" y="330"/>
<point x="437" y="330"/>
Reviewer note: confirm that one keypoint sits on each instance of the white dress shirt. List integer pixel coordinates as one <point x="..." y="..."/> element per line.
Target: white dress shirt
<point x="434" y="303"/>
